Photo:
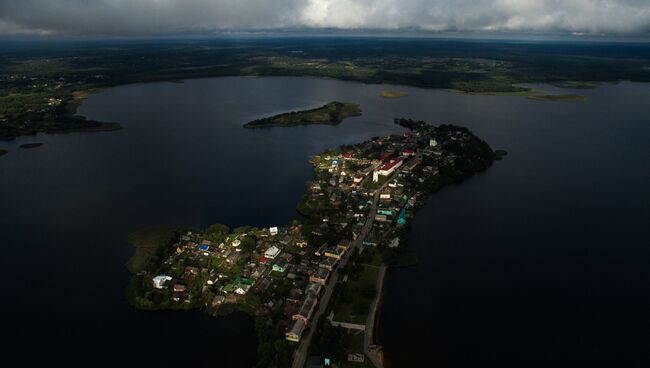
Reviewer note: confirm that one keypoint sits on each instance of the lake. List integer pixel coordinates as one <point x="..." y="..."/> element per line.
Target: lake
<point x="541" y="260"/>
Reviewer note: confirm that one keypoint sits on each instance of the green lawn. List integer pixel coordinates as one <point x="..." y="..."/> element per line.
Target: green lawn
<point x="353" y="303"/>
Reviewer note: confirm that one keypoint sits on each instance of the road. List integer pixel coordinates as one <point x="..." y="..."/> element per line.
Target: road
<point x="370" y="323"/>
<point x="301" y="353"/>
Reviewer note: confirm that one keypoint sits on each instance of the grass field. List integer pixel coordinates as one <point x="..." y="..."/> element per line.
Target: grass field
<point x="147" y="242"/>
<point x="353" y="302"/>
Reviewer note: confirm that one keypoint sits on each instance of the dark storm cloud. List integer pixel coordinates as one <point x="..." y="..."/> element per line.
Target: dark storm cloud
<point x="129" y="17"/>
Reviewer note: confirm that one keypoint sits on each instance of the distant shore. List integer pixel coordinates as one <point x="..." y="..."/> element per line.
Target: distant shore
<point x="331" y="113"/>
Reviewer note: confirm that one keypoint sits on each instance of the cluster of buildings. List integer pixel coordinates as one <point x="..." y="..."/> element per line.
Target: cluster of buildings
<point x="286" y="269"/>
<point x="52" y="91"/>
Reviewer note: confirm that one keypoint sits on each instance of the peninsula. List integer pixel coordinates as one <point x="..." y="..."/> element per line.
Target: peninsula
<point x="313" y="285"/>
<point x="332" y="113"/>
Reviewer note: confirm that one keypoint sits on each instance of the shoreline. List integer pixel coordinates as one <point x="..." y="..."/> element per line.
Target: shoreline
<point x="77" y="97"/>
<point x="220" y="270"/>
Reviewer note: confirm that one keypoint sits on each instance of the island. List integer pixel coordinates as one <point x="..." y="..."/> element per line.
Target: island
<point x="393" y="94"/>
<point x="332" y="113"/>
<point x="313" y="285"/>
<point x="31" y="145"/>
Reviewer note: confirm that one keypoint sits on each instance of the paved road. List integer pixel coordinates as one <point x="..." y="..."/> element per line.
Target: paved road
<point x="370" y="323"/>
<point x="301" y="353"/>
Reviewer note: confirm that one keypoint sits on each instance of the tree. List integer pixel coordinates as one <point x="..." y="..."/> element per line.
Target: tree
<point x="217" y="232"/>
<point x="248" y="244"/>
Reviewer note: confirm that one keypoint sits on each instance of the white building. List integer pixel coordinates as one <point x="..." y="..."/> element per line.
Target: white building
<point x="242" y="289"/>
<point x="387" y="169"/>
<point x="272" y="252"/>
<point x="159" y="281"/>
<point x="296" y="331"/>
<point x="307" y="308"/>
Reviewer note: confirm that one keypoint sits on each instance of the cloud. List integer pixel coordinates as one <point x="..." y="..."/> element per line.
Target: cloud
<point x="146" y="17"/>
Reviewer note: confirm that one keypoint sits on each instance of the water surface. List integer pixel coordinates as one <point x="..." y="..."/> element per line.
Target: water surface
<point x="542" y="259"/>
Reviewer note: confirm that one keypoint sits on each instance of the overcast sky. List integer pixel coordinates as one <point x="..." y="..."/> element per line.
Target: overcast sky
<point x="151" y="17"/>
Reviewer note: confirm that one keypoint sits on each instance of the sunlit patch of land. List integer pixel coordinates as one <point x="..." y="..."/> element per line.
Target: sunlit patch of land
<point x="393" y="94"/>
<point x="579" y="84"/>
<point x="332" y="113"/>
<point x="557" y="98"/>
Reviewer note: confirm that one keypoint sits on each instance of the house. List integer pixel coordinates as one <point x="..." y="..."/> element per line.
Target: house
<point x="356" y="358"/>
<point x="313" y="288"/>
<point x="334" y="252"/>
<point x="229" y="288"/>
<point x="328" y="263"/>
<point x="408" y="152"/>
<point x="372" y="239"/>
<point x="218" y="300"/>
<point x="307" y="308"/>
<point x="242" y="289"/>
<point x="272" y="252"/>
<point x="344" y="244"/>
<point x="179" y="288"/>
<point x="273" y="230"/>
<point x="412" y="164"/>
<point x="402" y="217"/>
<point x="258" y="272"/>
<point x="233" y="258"/>
<point x="244" y="281"/>
<point x="389" y="167"/>
<point x="264" y="260"/>
<point x="384" y="211"/>
<point x="159" y="281"/>
<point x="394" y="243"/>
<point x="381" y="218"/>
<point x="281" y="266"/>
<point x="295" y="296"/>
<point x="296" y="331"/>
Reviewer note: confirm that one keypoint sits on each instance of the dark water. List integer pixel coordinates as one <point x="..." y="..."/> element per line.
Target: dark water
<point x="541" y="259"/>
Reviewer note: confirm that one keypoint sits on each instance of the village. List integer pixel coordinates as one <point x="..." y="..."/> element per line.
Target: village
<point x="324" y="269"/>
